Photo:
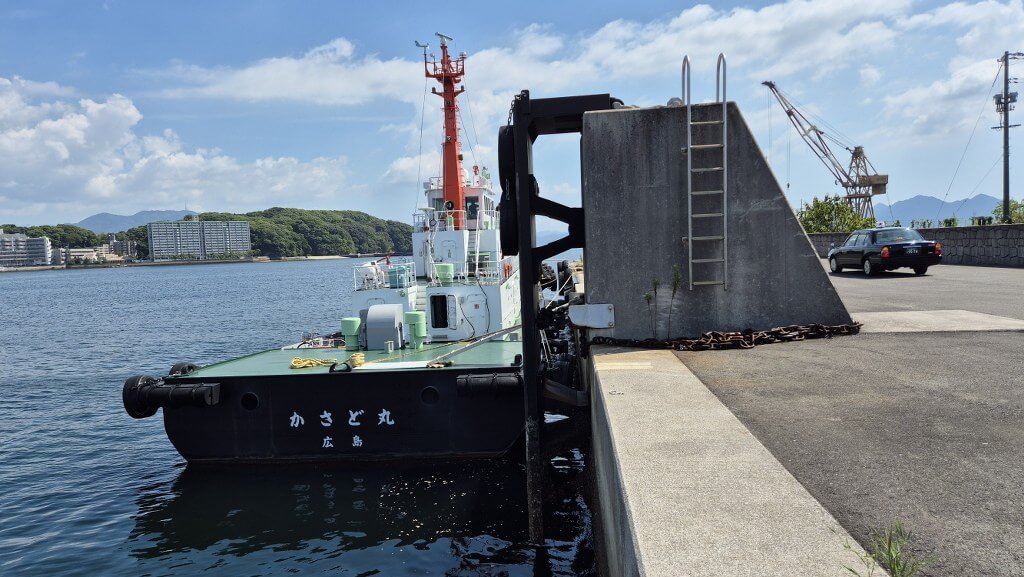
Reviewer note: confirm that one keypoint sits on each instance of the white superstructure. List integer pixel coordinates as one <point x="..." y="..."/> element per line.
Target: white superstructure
<point x="457" y="275"/>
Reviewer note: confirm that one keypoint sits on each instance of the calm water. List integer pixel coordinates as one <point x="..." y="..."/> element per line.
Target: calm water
<point x="84" y="489"/>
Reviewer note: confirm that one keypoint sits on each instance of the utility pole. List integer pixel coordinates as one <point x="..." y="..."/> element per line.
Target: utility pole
<point x="1004" y="104"/>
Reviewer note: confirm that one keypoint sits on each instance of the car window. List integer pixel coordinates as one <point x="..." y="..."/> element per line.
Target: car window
<point x="851" y="240"/>
<point x="862" y="239"/>
<point x="897" y="235"/>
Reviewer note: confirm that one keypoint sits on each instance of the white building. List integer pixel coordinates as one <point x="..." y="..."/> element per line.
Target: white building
<point x="195" y="239"/>
<point x="20" y="250"/>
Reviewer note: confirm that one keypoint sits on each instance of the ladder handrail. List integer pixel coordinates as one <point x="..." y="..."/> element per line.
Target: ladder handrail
<point x="720" y="77"/>
<point x="689" y="170"/>
<point x="720" y="98"/>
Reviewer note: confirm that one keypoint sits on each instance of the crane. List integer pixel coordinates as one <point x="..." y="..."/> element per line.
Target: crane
<point x="859" y="178"/>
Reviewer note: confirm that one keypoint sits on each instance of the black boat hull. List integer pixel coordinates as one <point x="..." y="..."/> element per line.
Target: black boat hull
<point x="360" y="415"/>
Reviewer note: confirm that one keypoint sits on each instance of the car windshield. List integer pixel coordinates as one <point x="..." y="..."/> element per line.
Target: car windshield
<point x="897" y="235"/>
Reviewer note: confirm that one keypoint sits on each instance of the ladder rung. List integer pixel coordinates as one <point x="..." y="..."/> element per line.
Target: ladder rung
<point x="708" y="238"/>
<point x="705" y="146"/>
<point x="711" y="169"/>
<point x="707" y="282"/>
<point x="705" y="122"/>
<point x="702" y="260"/>
<point x="704" y="192"/>
<point x="707" y="215"/>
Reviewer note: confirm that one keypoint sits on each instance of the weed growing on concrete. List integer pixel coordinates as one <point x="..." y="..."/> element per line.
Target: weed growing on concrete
<point x="677" y="278"/>
<point x="648" y="298"/>
<point x="654" y="323"/>
<point x="888" y="549"/>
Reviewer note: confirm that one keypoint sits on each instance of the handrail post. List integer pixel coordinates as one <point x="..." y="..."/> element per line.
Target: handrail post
<point x="689" y="171"/>
<point x="720" y="77"/>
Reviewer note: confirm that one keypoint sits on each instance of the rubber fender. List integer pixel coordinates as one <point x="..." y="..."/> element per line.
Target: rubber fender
<point x="182" y="368"/>
<point x="506" y="158"/>
<point x="131" y="396"/>
<point x="509" y="222"/>
<point x="508" y="208"/>
<point x="496" y="385"/>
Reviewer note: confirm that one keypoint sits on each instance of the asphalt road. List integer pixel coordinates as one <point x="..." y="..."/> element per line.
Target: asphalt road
<point x="927" y="428"/>
<point x="992" y="290"/>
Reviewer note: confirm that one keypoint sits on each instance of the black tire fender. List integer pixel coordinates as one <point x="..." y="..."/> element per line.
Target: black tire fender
<point x="183" y="368"/>
<point x="134" y="405"/>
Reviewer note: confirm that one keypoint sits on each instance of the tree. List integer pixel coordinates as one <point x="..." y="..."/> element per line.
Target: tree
<point x="832" y="214"/>
<point x="1016" y="211"/>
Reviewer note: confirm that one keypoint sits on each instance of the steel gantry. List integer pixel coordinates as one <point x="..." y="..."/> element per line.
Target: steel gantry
<point x="859" y="178"/>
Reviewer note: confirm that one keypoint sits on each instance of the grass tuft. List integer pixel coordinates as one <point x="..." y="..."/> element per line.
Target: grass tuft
<point x="889" y="549"/>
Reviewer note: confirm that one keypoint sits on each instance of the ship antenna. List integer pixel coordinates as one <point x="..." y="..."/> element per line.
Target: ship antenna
<point x="423" y="115"/>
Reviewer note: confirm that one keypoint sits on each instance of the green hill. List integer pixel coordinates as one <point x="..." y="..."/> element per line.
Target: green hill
<point x="275" y="232"/>
<point x="60" y="234"/>
<point x="278" y="232"/>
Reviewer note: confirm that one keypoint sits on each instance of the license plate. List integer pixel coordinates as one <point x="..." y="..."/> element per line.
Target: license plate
<point x="913" y="250"/>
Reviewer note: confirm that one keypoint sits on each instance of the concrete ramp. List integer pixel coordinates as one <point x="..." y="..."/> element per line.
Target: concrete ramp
<point x="635" y="206"/>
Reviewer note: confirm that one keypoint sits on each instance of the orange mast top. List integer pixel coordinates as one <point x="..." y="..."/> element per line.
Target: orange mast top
<point x="449" y="73"/>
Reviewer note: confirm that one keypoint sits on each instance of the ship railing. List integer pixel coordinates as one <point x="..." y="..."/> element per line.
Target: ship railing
<point x="439" y="220"/>
<point x="374" y="275"/>
<point x="497" y="272"/>
<point x="486" y="219"/>
<point x="460" y="274"/>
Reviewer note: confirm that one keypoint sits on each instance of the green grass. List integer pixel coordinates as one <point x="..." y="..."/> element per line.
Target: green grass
<point x="889" y="549"/>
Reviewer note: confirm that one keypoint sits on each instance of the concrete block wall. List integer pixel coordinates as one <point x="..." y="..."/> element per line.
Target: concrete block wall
<point x="635" y="207"/>
<point x="994" y="245"/>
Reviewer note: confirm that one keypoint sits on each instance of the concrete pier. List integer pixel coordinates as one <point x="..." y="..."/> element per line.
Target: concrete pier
<point x="686" y="490"/>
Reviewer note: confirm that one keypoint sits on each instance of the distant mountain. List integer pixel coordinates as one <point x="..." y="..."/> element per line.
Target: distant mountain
<point x="106" y="222"/>
<point x="931" y="208"/>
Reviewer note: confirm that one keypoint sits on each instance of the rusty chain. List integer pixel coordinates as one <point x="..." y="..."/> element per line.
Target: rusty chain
<point x="714" y="340"/>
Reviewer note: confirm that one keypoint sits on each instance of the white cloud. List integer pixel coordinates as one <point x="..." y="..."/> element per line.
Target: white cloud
<point x="951" y="105"/>
<point x="811" y="37"/>
<point x="869" y="75"/>
<point x="73" y="158"/>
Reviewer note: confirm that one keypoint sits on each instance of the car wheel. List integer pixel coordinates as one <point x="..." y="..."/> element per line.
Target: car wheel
<point x="920" y="270"/>
<point x="833" y="265"/>
<point x="869" y="269"/>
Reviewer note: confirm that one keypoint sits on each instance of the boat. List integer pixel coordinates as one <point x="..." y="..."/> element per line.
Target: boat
<point x="426" y="364"/>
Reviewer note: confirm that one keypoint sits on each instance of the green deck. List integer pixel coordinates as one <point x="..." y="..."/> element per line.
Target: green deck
<point x="277" y="361"/>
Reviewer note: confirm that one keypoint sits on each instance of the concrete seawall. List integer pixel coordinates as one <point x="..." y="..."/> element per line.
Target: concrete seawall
<point x="686" y="490"/>
<point x="994" y="245"/>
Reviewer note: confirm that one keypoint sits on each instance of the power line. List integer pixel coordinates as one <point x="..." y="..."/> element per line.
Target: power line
<point x="977" y="186"/>
<point x="969" y="139"/>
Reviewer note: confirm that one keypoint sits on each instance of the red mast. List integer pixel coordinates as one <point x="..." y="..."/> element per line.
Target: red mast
<point x="449" y="73"/>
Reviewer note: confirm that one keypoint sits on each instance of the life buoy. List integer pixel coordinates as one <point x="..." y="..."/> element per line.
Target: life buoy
<point x="508" y="270"/>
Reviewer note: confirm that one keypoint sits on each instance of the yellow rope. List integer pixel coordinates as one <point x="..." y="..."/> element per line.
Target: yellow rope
<point x="356" y="360"/>
<point x="301" y="363"/>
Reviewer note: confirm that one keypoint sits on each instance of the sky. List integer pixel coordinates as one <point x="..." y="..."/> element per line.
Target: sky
<point x="117" y="106"/>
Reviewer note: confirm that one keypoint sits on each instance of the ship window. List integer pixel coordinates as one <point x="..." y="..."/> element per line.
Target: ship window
<point x="472" y="207"/>
<point x="439" y="204"/>
<point x="439" y="311"/>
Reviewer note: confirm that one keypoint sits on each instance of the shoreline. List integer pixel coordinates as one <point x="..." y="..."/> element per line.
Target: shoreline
<point x="258" y="259"/>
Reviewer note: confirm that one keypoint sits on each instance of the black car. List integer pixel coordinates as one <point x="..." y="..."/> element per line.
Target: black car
<point x="877" y="249"/>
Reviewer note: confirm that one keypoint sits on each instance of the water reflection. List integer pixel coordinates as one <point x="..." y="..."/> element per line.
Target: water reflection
<point x="473" y="510"/>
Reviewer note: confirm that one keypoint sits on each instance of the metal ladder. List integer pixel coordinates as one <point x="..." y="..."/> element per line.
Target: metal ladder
<point x="721" y="171"/>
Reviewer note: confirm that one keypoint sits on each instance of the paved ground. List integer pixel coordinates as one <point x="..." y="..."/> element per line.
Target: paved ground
<point x="923" y="427"/>
<point x="992" y="290"/>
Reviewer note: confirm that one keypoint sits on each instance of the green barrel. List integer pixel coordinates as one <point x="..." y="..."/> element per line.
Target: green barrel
<point x="445" y="272"/>
<point x="350" y="328"/>
<point x="416" y="325"/>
